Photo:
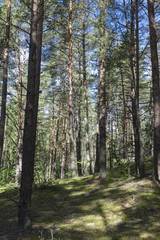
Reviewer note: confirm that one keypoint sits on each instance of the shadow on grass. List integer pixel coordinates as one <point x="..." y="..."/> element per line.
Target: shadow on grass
<point x="8" y="214"/>
<point x="86" y="209"/>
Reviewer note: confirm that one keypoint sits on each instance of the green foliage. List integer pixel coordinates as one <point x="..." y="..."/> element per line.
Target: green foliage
<point x="6" y="176"/>
<point x="54" y="81"/>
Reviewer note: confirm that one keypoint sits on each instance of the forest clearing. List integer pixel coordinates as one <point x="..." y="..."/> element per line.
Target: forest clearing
<point x="86" y="208"/>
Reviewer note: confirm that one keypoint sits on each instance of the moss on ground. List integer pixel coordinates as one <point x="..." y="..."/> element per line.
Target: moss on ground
<point x="87" y="209"/>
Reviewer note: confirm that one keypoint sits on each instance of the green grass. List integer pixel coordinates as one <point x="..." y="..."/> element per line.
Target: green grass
<point x="87" y="209"/>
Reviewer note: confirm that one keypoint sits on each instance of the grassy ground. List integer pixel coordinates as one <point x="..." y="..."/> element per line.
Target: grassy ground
<point x="87" y="209"/>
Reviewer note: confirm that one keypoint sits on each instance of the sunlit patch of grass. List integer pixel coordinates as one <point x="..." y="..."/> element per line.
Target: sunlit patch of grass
<point x="3" y="189"/>
<point x="146" y="235"/>
<point x="86" y="208"/>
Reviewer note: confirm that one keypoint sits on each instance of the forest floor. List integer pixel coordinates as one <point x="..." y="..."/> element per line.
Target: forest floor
<point x="87" y="209"/>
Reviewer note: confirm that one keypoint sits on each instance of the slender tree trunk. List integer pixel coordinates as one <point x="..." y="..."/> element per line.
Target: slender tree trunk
<point x="71" y="106"/>
<point x="31" y="111"/>
<point x="86" y="118"/>
<point x="5" y="79"/>
<point x="102" y="95"/>
<point x="133" y="83"/>
<point x="111" y="144"/>
<point x="151" y="113"/>
<point x="54" y="172"/>
<point x="64" y="143"/>
<point x="20" y="122"/>
<point x="118" y="136"/>
<point x="79" y="144"/>
<point x="79" y="127"/>
<point x="134" y="62"/>
<point x="97" y="148"/>
<point x="156" y="88"/>
<point x="97" y="135"/>
<point x="141" y="158"/>
<point x="67" y="154"/>
<point x="124" y="123"/>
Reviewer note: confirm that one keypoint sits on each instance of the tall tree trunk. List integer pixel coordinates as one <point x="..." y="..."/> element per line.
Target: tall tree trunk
<point x="86" y="118"/>
<point x="71" y="106"/>
<point x="134" y="62"/>
<point x="102" y="94"/>
<point x="156" y="88"/>
<point x="31" y="111"/>
<point x="141" y="157"/>
<point x="20" y="122"/>
<point x="5" y="78"/>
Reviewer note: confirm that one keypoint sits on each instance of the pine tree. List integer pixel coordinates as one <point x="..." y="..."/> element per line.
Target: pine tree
<point x="31" y="111"/>
<point x="156" y="87"/>
<point x="102" y="93"/>
<point x="5" y="79"/>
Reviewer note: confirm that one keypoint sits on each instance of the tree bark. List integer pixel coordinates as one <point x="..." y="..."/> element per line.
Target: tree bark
<point x="79" y="125"/>
<point x="86" y="118"/>
<point x="102" y="94"/>
<point x="134" y="63"/>
<point x="64" y="143"/>
<point x="52" y="173"/>
<point x="156" y="88"/>
<point x="54" y="168"/>
<point x="124" y="122"/>
<point x="5" y="79"/>
<point x="71" y="105"/>
<point x="20" y="122"/>
<point x="97" y="146"/>
<point x="111" y="148"/>
<point x="31" y="111"/>
<point x="151" y="114"/>
<point x="141" y="157"/>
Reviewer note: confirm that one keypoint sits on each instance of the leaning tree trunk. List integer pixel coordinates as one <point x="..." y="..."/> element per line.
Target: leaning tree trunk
<point x="71" y="106"/>
<point x="31" y="111"/>
<point x="5" y="78"/>
<point x="102" y="95"/>
<point x="156" y="88"/>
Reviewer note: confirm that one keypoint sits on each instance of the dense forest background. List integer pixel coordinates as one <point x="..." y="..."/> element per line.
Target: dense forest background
<point x="99" y="88"/>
